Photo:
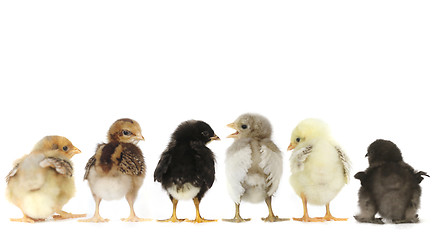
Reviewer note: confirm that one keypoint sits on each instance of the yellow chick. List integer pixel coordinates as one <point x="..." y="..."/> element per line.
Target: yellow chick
<point x="319" y="167"/>
<point x="41" y="183"/>
<point x="118" y="168"/>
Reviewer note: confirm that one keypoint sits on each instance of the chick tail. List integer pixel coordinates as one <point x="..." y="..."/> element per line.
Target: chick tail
<point x="37" y="206"/>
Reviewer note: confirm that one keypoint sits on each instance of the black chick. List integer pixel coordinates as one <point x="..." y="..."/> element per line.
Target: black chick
<point x="186" y="167"/>
<point x="389" y="186"/>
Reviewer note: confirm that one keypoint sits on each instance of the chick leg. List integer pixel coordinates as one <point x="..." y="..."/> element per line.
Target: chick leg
<point x="96" y="218"/>
<point x="199" y="219"/>
<point x="272" y="217"/>
<point x="237" y="218"/>
<point x="65" y="215"/>
<point x="328" y="216"/>
<point x="306" y="217"/>
<point x="368" y="209"/>
<point x="132" y="218"/>
<point x="173" y="217"/>
<point x="25" y="219"/>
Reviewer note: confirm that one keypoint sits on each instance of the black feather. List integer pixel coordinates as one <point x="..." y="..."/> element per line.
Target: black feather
<point x="187" y="159"/>
<point x="390" y="186"/>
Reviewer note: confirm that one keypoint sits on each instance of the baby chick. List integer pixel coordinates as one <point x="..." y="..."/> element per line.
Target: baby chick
<point x="42" y="181"/>
<point x="186" y="167"/>
<point x="319" y="167"/>
<point x="390" y="186"/>
<point x="117" y="169"/>
<point x="253" y="164"/>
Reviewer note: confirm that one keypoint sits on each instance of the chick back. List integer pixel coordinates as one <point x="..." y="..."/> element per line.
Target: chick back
<point x="393" y="187"/>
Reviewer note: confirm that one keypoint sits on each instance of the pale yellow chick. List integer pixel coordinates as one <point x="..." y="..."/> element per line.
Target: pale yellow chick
<point x="41" y="183"/>
<point x="319" y="167"/>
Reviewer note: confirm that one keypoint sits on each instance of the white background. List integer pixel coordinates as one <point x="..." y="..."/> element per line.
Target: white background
<point x="367" y="68"/>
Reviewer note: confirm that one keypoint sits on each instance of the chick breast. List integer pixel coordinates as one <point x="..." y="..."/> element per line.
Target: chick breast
<point x="322" y="177"/>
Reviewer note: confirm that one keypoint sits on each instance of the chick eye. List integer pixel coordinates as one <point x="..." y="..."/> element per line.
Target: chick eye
<point x="65" y="148"/>
<point x="298" y="139"/>
<point x="205" y="133"/>
<point x="243" y="126"/>
<point x="126" y="133"/>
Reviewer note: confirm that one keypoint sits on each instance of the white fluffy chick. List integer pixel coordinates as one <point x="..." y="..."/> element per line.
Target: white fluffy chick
<point x="319" y="167"/>
<point x="253" y="164"/>
<point x="41" y="183"/>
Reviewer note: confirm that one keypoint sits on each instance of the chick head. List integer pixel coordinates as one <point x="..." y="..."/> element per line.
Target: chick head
<point x="125" y="130"/>
<point x="383" y="151"/>
<point x="56" y="147"/>
<point x="308" y="129"/>
<point x="194" y="130"/>
<point x="251" y="125"/>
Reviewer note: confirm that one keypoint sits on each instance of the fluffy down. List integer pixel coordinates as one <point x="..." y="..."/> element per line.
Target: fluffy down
<point x="319" y="180"/>
<point x="39" y="192"/>
<point x="252" y="187"/>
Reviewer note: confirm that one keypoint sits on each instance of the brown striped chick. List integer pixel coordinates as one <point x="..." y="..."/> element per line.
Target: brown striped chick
<point x="117" y="169"/>
<point x="41" y="183"/>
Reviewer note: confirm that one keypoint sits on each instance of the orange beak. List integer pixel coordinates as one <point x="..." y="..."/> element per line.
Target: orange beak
<point x="75" y="150"/>
<point x="140" y="138"/>
<point x="291" y="147"/>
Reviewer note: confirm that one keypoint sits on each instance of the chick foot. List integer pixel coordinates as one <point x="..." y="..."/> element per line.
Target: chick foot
<point x="65" y="215"/>
<point x="200" y="220"/>
<point x="135" y="219"/>
<point x="308" y="219"/>
<point x="272" y="218"/>
<point x="26" y="219"/>
<point x="172" y="219"/>
<point x="331" y="218"/>
<point x="95" y="219"/>
<point x="328" y="216"/>
<point x="237" y="219"/>
<point x="368" y="220"/>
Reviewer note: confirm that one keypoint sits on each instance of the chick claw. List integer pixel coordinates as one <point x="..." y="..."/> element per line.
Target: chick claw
<point x="172" y="219"/>
<point x="237" y="219"/>
<point x="274" y="219"/>
<point x="65" y="215"/>
<point x="135" y="219"/>
<point x="200" y="220"/>
<point x="25" y="219"/>
<point x="308" y="219"/>
<point x="94" y="219"/>
<point x="331" y="218"/>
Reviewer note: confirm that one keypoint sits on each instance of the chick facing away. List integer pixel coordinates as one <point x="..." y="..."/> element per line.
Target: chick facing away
<point x="318" y="165"/>
<point x="42" y="182"/>
<point x="118" y="168"/>
<point x="253" y="164"/>
<point x="186" y="168"/>
<point x="389" y="186"/>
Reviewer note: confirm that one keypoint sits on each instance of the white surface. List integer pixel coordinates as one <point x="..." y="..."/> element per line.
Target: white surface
<point x="369" y="69"/>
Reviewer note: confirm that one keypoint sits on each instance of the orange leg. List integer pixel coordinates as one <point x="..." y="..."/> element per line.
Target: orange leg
<point x="173" y="217"/>
<point x="306" y="217"/>
<point x="199" y="219"/>
<point x="328" y="216"/>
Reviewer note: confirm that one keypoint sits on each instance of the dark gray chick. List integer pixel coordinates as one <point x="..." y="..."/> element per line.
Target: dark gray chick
<point x="389" y="186"/>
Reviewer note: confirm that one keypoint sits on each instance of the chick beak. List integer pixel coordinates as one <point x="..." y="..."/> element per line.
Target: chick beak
<point x="140" y="138"/>
<point x="291" y="146"/>
<point x="215" y="138"/>
<point x="233" y="135"/>
<point x="75" y="150"/>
